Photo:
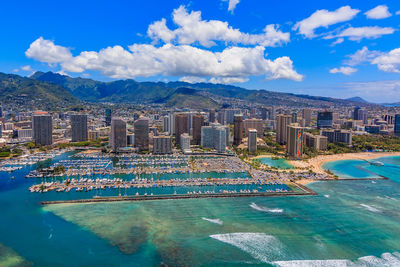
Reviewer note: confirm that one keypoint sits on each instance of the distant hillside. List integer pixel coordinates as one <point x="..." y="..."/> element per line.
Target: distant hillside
<point x="27" y="91"/>
<point x="357" y="99"/>
<point x="188" y="98"/>
<point x="131" y="91"/>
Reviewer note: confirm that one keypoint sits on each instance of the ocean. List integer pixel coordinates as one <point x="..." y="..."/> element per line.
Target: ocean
<point x="350" y="223"/>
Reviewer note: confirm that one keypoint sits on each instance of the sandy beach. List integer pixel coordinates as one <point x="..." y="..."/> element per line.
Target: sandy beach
<point x="315" y="164"/>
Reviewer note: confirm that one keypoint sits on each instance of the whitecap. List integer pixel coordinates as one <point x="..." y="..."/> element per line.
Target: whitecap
<point x="386" y="259"/>
<point x="327" y="196"/>
<point x="264" y="209"/>
<point x="216" y="221"/>
<point x="260" y="246"/>
<point x="370" y="208"/>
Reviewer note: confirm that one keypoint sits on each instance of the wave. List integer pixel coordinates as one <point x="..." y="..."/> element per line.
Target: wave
<point x="216" y="221"/>
<point x="264" y="209"/>
<point x="269" y="249"/>
<point x="386" y="259"/>
<point x="327" y="196"/>
<point x="370" y="208"/>
<point x="260" y="246"/>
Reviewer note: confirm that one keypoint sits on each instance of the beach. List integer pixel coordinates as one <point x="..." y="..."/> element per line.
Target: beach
<point x="316" y="164"/>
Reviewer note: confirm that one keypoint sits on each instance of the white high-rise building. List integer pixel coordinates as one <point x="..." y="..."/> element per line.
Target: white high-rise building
<point x="252" y="140"/>
<point x="214" y="137"/>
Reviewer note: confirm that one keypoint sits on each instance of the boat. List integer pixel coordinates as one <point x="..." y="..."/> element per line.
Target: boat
<point x="376" y="163"/>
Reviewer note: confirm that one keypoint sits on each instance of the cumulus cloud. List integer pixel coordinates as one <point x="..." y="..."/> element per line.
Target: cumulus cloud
<point x="191" y="79"/>
<point x="191" y="28"/>
<point x="27" y="68"/>
<point x="46" y="51"/>
<point x="343" y="70"/>
<point x="359" y="33"/>
<point x="144" y="60"/>
<point x="388" y="62"/>
<point x="228" y="80"/>
<point x="324" y="18"/>
<point x="232" y="4"/>
<point x="361" y="56"/>
<point x="379" y="12"/>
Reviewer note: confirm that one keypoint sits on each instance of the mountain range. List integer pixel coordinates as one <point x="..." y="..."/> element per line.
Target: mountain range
<point x="57" y="89"/>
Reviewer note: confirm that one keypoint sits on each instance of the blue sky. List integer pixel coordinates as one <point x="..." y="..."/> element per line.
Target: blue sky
<point x="329" y="48"/>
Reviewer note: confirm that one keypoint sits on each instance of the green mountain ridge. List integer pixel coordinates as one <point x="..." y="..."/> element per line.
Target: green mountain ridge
<point x="38" y="94"/>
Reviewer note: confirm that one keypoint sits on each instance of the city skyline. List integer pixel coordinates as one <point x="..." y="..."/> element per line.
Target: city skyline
<point x="342" y="49"/>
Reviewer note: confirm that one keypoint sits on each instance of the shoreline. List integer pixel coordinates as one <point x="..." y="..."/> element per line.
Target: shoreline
<point x="316" y="164"/>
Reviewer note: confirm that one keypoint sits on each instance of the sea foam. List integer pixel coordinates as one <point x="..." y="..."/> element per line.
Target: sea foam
<point x="370" y="208"/>
<point x="260" y="246"/>
<point x="386" y="259"/>
<point x="264" y="209"/>
<point x="216" y="221"/>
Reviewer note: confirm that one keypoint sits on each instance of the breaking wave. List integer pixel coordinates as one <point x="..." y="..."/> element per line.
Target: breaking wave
<point x="260" y="246"/>
<point x="386" y="259"/>
<point x="264" y="209"/>
<point x="370" y="208"/>
<point x="216" y="221"/>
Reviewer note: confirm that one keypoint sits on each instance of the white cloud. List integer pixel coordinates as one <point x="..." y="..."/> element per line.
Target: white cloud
<point x="361" y="56"/>
<point x="27" y="68"/>
<point x="61" y="72"/>
<point x="398" y="12"/>
<point x="343" y="70"/>
<point x="228" y="80"/>
<point x="144" y="60"/>
<point x="324" y="18"/>
<point x="338" y="41"/>
<point x="359" y="33"/>
<point x="232" y="4"/>
<point x="15" y="70"/>
<point x="388" y="62"/>
<point x="379" y="12"/>
<point x="191" y="79"/>
<point x="192" y="29"/>
<point x="46" y="51"/>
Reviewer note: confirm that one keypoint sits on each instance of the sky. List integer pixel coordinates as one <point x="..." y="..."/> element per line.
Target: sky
<point x="326" y="48"/>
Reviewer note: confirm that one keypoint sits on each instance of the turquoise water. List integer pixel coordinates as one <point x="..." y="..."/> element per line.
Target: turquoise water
<point x="347" y="221"/>
<point x="277" y="163"/>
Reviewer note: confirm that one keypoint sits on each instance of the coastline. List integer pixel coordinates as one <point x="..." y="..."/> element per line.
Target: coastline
<point x="316" y="164"/>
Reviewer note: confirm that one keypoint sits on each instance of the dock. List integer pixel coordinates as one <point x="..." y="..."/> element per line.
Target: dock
<point x="306" y="192"/>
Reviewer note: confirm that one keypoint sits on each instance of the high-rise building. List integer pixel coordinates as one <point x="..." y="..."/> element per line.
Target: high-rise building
<point x="108" y="117"/>
<point x="181" y="126"/>
<point x="319" y="142"/>
<point x="93" y="135"/>
<point x="79" y="129"/>
<point x="257" y="124"/>
<point x="295" y="141"/>
<point x="165" y="124"/>
<point x="42" y="126"/>
<point x="361" y="114"/>
<point x="221" y="117"/>
<point x="252" y="140"/>
<point x="307" y="116"/>
<point x="282" y="121"/>
<point x="211" y="116"/>
<point x="171" y="123"/>
<point x="325" y="119"/>
<point x="142" y="134"/>
<point x="397" y="125"/>
<point x="264" y="113"/>
<point x="130" y="139"/>
<point x="162" y="144"/>
<point x="294" y="117"/>
<point x="198" y="122"/>
<point x="338" y="136"/>
<point x="238" y="129"/>
<point x="118" y="134"/>
<point x="214" y="136"/>
<point x="230" y="115"/>
<point x="185" y="143"/>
